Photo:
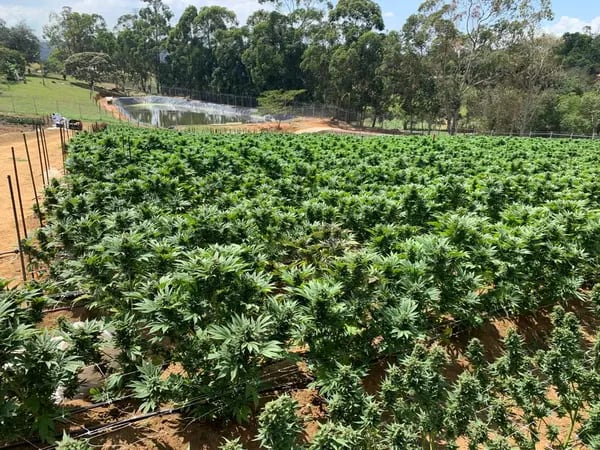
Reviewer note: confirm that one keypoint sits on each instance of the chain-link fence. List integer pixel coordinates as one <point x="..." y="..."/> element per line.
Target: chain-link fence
<point x="298" y="109"/>
<point x="242" y="101"/>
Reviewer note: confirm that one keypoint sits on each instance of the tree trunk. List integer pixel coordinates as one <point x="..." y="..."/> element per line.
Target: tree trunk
<point x="452" y="120"/>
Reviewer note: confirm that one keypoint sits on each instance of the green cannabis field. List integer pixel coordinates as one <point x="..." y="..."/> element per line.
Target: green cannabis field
<point x="221" y="255"/>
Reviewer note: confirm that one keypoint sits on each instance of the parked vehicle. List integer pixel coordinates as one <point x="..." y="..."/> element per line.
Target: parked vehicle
<point x="75" y="125"/>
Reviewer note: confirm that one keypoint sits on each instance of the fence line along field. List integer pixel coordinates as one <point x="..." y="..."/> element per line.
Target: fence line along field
<point x="42" y="97"/>
<point x="223" y="275"/>
<point x="9" y="264"/>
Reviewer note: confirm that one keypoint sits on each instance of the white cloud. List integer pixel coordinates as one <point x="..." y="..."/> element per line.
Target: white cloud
<point x="31" y="15"/>
<point x="389" y="14"/>
<point x="568" y="24"/>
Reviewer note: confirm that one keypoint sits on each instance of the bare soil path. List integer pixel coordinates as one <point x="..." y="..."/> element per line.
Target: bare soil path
<point x="12" y="137"/>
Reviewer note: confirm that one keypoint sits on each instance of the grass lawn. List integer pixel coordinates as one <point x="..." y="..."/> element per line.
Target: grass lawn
<point x="35" y="99"/>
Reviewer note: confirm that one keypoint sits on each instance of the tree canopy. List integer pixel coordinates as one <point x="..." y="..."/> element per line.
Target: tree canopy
<point x="461" y="64"/>
<point x="278" y="103"/>
<point x="89" y="66"/>
<point x="22" y="39"/>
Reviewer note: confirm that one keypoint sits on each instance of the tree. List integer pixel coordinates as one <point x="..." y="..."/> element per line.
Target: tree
<point x="90" y="67"/>
<point x="182" y="45"/>
<point x="130" y="52"/>
<point x="351" y="49"/>
<point x="304" y="28"/>
<point x="278" y="103"/>
<point x="142" y="44"/>
<point x="353" y="68"/>
<point x="590" y="109"/>
<point x="580" y="113"/>
<point x="54" y="63"/>
<point x="152" y="23"/>
<point x="356" y="17"/>
<point x="231" y="74"/>
<point x="407" y="77"/>
<point x="532" y="68"/>
<point x="315" y="61"/>
<point x="12" y="64"/>
<point x="580" y="50"/>
<point x="274" y="52"/>
<point x="72" y="32"/>
<point x="193" y="45"/>
<point x="21" y="39"/>
<point x="304" y="14"/>
<point x="462" y="37"/>
<point x="210" y="21"/>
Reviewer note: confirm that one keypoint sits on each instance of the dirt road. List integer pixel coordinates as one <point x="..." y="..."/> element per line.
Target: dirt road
<point x="9" y="264"/>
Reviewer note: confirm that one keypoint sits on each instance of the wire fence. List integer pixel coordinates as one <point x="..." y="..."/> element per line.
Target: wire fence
<point x="547" y="134"/>
<point x="301" y="109"/>
<point x="42" y="108"/>
<point x="472" y="132"/>
<point x="242" y="101"/>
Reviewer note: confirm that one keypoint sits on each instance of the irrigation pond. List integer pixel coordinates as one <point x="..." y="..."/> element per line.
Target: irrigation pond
<point x="174" y="111"/>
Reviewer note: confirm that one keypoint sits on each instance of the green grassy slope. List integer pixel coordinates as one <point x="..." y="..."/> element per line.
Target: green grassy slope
<point x="36" y="99"/>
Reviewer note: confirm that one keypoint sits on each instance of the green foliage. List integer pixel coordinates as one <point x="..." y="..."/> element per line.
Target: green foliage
<point x="71" y="32"/>
<point x="233" y="444"/>
<point x="12" y="64"/>
<point x="335" y="436"/>
<point x="84" y="338"/>
<point x="278" y="103"/>
<point x="219" y="256"/>
<point x="240" y="348"/>
<point x="150" y="388"/>
<point x="89" y="66"/>
<point x="68" y="443"/>
<point x="345" y="393"/>
<point x="580" y="113"/>
<point x="22" y="39"/>
<point x="279" y="425"/>
<point x="36" y="373"/>
<point x="590" y="431"/>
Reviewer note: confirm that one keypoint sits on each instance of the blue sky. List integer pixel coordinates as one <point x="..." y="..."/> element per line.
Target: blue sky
<point x="570" y="15"/>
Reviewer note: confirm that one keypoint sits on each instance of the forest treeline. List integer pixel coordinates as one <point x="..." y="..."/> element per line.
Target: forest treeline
<point x="464" y="64"/>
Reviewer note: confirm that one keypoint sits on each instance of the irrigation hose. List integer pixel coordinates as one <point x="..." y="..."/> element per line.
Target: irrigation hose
<point x="70" y="295"/>
<point x="102" y="429"/>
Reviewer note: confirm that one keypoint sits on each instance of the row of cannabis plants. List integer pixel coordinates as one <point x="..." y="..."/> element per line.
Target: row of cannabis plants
<point x="221" y="254"/>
